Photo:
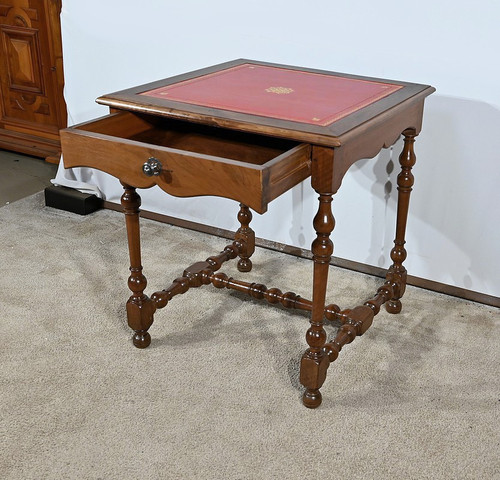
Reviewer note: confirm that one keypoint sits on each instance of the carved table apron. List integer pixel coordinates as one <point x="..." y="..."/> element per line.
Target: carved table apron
<point x="250" y="131"/>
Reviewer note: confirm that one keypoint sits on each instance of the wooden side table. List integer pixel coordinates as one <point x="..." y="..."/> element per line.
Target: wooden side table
<point x="249" y="131"/>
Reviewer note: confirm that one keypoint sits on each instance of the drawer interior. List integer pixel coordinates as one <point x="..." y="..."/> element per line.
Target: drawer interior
<point x="244" y="147"/>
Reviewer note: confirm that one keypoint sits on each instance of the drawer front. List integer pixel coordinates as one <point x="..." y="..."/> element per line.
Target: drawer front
<point x="184" y="173"/>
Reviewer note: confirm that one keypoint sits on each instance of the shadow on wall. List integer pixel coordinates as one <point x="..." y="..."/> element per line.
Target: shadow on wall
<point x="454" y="226"/>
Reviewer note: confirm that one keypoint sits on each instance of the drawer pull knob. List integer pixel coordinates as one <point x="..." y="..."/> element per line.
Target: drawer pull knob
<point x="152" y="167"/>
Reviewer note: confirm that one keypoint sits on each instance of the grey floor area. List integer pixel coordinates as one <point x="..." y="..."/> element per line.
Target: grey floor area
<point x="22" y="176"/>
<point x="217" y="394"/>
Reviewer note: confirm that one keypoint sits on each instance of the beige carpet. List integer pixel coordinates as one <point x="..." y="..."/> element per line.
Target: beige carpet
<point x="217" y="396"/>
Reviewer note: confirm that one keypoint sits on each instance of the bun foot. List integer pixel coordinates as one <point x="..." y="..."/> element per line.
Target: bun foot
<point x="393" y="306"/>
<point x="312" y="398"/>
<point x="244" y="265"/>
<point x="141" y="339"/>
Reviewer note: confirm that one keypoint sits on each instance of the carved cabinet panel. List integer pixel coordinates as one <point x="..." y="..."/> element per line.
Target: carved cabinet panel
<point x="32" y="108"/>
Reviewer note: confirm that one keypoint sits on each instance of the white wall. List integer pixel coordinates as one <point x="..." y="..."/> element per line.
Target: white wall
<point x="454" y="226"/>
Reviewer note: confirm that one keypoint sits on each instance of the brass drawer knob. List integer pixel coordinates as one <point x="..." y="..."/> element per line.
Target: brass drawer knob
<point x="152" y="167"/>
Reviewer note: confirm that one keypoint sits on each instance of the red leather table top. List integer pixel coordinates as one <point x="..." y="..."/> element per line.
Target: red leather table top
<point x="277" y="92"/>
<point x="300" y="104"/>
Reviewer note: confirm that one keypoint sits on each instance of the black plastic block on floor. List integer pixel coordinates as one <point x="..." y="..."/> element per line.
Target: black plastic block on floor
<point x="71" y="200"/>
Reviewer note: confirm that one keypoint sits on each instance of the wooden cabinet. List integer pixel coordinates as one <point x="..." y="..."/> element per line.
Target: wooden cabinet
<point x="32" y="107"/>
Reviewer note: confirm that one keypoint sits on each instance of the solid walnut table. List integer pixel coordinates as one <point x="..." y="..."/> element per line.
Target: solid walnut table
<point x="249" y="131"/>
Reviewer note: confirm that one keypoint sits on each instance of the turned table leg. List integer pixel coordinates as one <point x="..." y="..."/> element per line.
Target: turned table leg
<point x="246" y="234"/>
<point x="315" y="361"/>
<point x="140" y="308"/>
<point x="397" y="272"/>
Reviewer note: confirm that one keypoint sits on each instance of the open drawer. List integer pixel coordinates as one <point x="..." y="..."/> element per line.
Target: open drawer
<point x="187" y="159"/>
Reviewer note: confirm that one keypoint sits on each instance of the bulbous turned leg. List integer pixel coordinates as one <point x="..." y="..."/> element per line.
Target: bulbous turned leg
<point x="140" y="308"/>
<point x="315" y="361"/>
<point x="312" y="398"/>
<point x="394" y="306"/>
<point x="141" y="339"/>
<point x="247" y="236"/>
<point x="312" y="375"/>
<point x="397" y="272"/>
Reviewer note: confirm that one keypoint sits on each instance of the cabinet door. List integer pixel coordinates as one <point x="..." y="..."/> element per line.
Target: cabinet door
<point x="32" y="105"/>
